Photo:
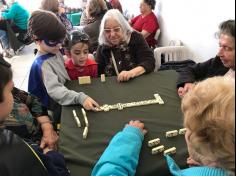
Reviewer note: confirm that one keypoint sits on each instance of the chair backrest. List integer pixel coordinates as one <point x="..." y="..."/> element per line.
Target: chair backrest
<point x="157" y="34"/>
<point x="169" y="53"/>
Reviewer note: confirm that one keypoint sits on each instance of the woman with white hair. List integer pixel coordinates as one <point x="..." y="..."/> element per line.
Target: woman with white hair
<point x="122" y="51"/>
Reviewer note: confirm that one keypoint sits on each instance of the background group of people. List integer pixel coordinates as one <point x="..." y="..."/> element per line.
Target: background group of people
<point x="17" y="17"/>
<point x="124" y="52"/>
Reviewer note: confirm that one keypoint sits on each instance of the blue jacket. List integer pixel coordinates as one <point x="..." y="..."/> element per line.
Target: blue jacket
<point x="36" y="85"/>
<point x="18" y="14"/>
<point x="121" y="158"/>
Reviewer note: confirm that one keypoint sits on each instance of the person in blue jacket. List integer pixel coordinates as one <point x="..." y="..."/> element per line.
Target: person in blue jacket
<point x="209" y="117"/>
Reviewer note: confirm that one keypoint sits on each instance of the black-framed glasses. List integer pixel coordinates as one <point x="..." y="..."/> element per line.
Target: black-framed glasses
<point x="4" y="63"/>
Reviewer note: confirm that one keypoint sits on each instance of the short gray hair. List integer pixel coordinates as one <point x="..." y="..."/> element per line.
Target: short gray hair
<point x="116" y="15"/>
<point x="227" y="28"/>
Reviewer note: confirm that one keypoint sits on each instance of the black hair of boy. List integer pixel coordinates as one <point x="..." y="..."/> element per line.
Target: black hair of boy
<point x="74" y="37"/>
<point x="45" y="25"/>
<point x="5" y="76"/>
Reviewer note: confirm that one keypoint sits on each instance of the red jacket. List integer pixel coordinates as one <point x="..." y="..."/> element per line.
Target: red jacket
<point x="89" y="69"/>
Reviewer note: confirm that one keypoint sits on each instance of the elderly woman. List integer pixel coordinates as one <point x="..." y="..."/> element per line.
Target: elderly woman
<point x="53" y="6"/>
<point x="146" y="23"/>
<point x="96" y="9"/>
<point x="122" y="51"/>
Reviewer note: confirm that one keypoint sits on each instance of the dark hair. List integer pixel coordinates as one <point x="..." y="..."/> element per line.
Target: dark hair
<point x="44" y="24"/>
<point x="228" y="28"/>
<point x="74" y="37"/>
<point x="5" y="76"/>
<point x="151" y="3"/>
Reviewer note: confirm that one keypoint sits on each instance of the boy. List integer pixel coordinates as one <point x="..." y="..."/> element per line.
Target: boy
<point x="19" y="157"/>
<point x="48" y="74"/>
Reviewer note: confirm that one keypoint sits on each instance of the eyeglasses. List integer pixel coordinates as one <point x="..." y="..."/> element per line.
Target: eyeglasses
<point x="115" y="30"/>
<point x="4" y="63"/>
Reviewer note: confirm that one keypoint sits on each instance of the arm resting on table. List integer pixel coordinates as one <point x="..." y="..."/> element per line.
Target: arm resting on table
<point x="122" y="155"/>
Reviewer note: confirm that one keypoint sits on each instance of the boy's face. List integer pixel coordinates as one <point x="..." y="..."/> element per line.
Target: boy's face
<point x="45" y="48"/>
<point x="79" y="54"/>
<point x="7" y="104"/>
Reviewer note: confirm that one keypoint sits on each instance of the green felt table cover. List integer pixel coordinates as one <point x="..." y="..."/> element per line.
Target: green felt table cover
<point x="81" y="155"/>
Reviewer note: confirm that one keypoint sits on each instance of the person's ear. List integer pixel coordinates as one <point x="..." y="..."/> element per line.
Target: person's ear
<point x="67" y="53"/>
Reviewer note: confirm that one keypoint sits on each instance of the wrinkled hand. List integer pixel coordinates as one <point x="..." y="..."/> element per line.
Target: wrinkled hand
<point x="138" y="124"/>
<point x="191" y="162"/>
<point x="183" y="90"/>
<point x="90" y="104"/>
<point x="125" y="76"/>
<point x="50" y="137"/>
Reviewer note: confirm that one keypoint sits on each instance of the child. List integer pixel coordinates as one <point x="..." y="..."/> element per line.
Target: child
<point x="77" y="50"/>
<point x="19" y="157"/>
<point x="48" y="74"/>
<point x="209" y="116"/>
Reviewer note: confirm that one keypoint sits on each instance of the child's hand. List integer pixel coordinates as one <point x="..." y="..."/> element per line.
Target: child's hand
<point x="90" y="104"/>
<point x="138" y="124"/>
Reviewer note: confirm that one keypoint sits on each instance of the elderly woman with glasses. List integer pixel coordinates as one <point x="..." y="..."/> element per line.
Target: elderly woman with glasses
<point x="122" y="51"/>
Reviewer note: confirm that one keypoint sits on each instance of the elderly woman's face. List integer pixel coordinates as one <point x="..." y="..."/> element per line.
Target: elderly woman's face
<point x="144" y="7"/>
<point x="113" y="32"/>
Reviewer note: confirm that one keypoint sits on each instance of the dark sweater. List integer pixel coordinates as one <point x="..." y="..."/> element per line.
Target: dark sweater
<point x="201" y="71"/>
<point x="136" y="53"/>
<point x="20" y="157"/>
<point x="92" y="29"/>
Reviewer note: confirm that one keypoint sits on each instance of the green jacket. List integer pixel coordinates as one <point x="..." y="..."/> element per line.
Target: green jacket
<point x="18" y="14"/>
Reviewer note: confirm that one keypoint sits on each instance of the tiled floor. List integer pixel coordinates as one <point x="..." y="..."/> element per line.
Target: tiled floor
<point x="21" y="64"/>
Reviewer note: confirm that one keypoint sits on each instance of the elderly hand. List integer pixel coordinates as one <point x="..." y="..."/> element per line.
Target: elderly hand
<point x="49" y="138"/>
<point x="126" y="76"/>
<point x="183" y="90"/>
<point x="90" y="104"/>
<point x="138" y="124"/>
<point x="191" y="162"/>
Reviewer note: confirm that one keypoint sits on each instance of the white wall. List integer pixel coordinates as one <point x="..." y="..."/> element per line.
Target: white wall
<point x="194" y="22"/>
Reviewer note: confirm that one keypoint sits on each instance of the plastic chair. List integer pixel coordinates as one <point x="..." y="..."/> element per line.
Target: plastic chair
<point x="169" y="53"/>
<point x="157" y="34"/>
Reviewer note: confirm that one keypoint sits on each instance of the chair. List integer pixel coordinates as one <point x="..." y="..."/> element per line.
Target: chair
<point x="157" y="34"/>
<point x="169" y="53"/>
